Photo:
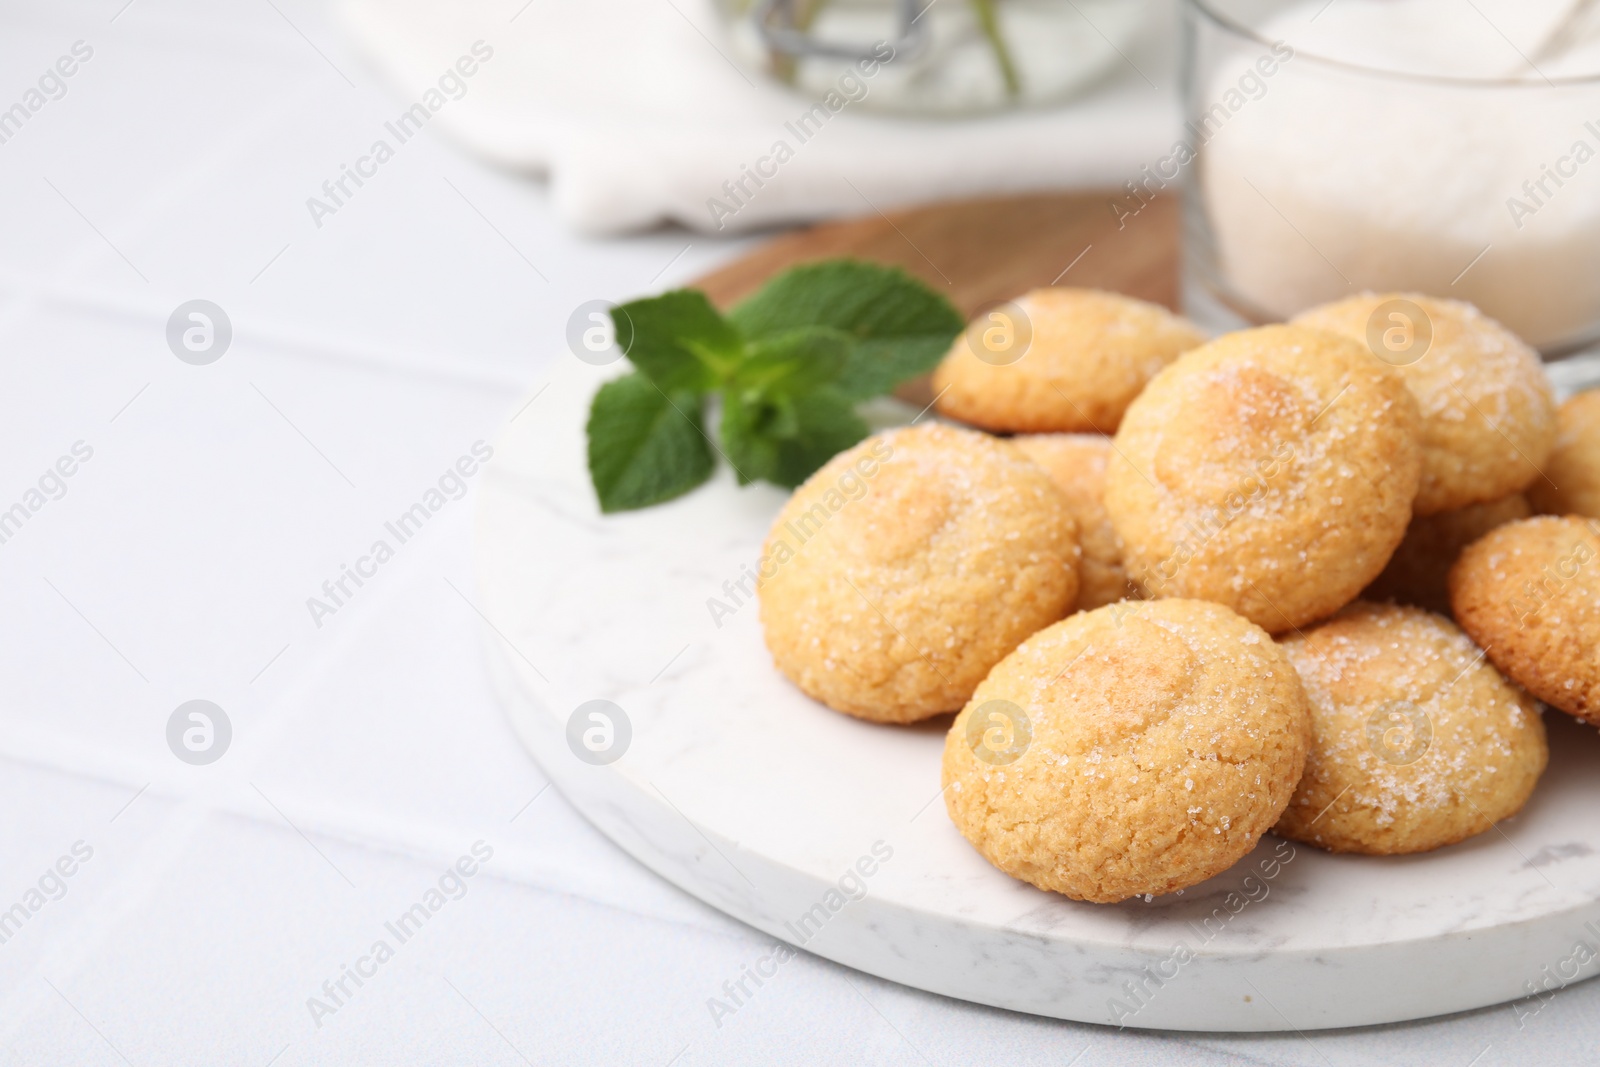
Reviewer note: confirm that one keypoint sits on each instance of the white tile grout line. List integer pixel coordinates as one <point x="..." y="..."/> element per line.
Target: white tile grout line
<point x="354" y="826"/>
<point x="118" y="901"/>
<point x="220" y="153"/>
<point x="408" y="839"/>
<point x="28" y="295"/>
<point x="148" y="215"/>
<point x="145" y="216"/>
<point x="419" y="365"/>
<point x="339" y="822"/>
<point x="135" y="883"/>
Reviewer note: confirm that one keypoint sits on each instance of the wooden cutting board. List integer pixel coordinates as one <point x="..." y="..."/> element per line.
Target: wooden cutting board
<point x="983" y="252"/>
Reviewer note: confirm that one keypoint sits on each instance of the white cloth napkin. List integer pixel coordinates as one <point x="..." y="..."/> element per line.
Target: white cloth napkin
<point x="636" y="115"/>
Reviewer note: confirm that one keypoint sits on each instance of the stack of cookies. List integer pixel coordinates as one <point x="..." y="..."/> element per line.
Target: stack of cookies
<point x="1183" y="593"/>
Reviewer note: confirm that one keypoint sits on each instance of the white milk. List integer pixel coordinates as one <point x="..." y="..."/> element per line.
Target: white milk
<point x="1337" y="180"/>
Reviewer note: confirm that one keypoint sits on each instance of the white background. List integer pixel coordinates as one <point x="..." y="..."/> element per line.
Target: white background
<point x="367" y="754"/>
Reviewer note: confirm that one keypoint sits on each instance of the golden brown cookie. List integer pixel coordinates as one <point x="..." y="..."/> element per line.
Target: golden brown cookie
<point x="1077" y="462"/>
<point x="1488" y="414"/>
<point x="1418" y="570"/>
<point x="1271" y="470"/>
<point x="1058" y="360"/>
<point x="909" y="565"/>
<point x="1139" y="748"/>
<point x="1571" y="482"/>
<point x="1416" y="743"/>
<point x="1529" y="593"/>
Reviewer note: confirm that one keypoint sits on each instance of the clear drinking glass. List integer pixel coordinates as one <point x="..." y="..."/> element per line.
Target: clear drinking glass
<point x="1415" y="162"/>
<point x="933" y="57"/>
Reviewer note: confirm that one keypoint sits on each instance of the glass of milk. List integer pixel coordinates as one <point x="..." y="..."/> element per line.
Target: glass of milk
<point x="1441" y="146"/>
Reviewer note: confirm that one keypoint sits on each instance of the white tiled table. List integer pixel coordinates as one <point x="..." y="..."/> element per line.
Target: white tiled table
<point x="367" y="754"/>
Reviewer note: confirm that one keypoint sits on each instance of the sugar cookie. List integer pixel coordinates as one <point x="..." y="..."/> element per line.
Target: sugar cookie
<point x="1418" y="570"/>
<point x="1416" y="743"/>
<point x="1529" y="593"/>
<point x="1571" y="481"/>
<point x="1058" y="360"/>
<point x="1077" y="462"/>
<point x="909" y="565"/>
<point x="1488" y="413"/>
<point x="1271" y="470"/>
<point x="1139" y="748"/>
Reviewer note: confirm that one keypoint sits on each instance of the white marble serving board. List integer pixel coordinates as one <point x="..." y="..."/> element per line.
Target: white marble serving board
<point x="754" y="798"/>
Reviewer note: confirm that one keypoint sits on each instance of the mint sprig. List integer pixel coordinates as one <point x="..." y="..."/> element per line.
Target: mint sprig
<point x="652" y="446"/>
<point x="787" y="367"/>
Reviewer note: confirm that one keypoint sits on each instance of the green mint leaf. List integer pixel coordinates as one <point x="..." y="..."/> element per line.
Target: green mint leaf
<point x="876" y="367"/>
<point x="678" y="340"/>
<point x="794" y="362"/>
<point x="644" y="448"/>
<point x="901" y="326"/>
<point x="750" y="429"/>
<point x="789" y="363"/>
<point x="784" y="439"/>
<point x="826" y="424"/>
<point x="759" y="412"/>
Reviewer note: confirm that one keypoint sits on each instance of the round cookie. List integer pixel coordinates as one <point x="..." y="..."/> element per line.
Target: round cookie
<point x="1571" y="482"/>
<point x="1418" y="571"/>
<point x="1416" y="743"/>
<point x="1271" y="470"/>
<point x="1136" y="749"/>
<point x="1077" y="462"/>
<point x="1529" y="593"/>
<point x="1488" y="414"/>
<point x="909" y="565"/>
<point x="1058" y="360"/>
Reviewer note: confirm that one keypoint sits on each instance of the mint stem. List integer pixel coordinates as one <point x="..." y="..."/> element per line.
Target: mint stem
<point x="989" y="20"/>
<point x="786" y="67"/>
